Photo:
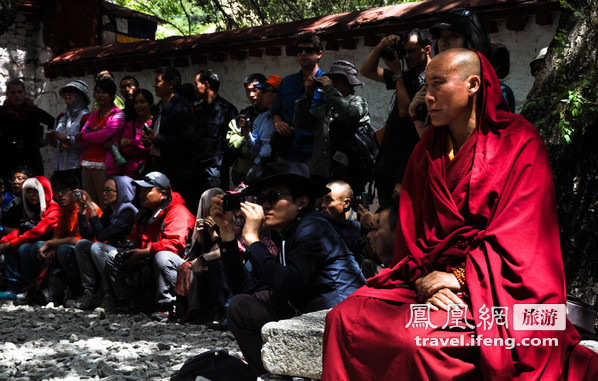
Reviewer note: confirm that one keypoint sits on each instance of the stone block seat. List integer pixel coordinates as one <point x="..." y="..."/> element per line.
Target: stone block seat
<point x="293" y="347"/>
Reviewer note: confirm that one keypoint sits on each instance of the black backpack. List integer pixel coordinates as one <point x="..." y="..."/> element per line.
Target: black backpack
<point x="359" y="145"/>
<point x="214" y="365"/>
<point x="366" y="146"/>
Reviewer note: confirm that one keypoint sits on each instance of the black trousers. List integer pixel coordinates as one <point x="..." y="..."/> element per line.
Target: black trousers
<point x="247" y="314"/>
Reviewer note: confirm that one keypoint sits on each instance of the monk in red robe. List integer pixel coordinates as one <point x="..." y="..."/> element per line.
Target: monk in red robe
<point x="477" y="235"/>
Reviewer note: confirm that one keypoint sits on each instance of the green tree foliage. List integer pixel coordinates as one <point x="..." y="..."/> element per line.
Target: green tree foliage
<point x="189" y="17"/>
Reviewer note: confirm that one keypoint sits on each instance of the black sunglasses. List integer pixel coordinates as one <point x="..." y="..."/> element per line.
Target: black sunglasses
<point x="271" y="198"/>
<point x="307" y="49"/>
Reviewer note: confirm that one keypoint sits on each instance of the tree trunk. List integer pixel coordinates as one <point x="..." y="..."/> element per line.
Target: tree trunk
<point x="571" y="133"/>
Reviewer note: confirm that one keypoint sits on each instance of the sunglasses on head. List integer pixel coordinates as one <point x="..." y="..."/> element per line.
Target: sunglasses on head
<point x="271" y="197"/>
<point x="307" y="49"/>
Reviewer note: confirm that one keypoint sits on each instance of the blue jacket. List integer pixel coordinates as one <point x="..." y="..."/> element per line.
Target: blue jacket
<point x="315" y="269"/>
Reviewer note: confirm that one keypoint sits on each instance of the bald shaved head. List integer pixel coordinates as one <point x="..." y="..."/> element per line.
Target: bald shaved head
<point x="466" y="62"/>
<point x="453" y="81"/>
<point x="338" y="201"/>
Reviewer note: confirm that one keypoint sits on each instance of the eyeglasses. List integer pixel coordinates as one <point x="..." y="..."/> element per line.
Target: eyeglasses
<point x="108" y="190"/>
<point x="271" y="198"/>
<point x="18" y="179"/>
<point x="307" y="50"/>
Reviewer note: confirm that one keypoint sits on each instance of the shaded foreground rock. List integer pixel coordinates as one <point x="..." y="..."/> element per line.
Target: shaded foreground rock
<point x="54" y="343"/>
<point x="293" y="347"/>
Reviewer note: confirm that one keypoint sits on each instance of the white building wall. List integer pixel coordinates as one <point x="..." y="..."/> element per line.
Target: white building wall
<point x="22" y="53"/>
<point x="18" y="55"/>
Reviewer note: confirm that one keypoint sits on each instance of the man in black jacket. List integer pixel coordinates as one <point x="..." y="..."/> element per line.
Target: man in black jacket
<point x="213" y="115"/>
<point x="171" y="140"/>
<point x="315" y="269"/>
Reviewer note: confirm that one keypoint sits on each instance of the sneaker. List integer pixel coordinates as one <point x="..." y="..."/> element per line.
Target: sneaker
<point x="108" y="304"/>
<point x="167" y="312"/>
<point x="88" y="301"/>
<point x="160" y="316"/>
<point x="8" y="295"/>
<point x="70" y="303"/>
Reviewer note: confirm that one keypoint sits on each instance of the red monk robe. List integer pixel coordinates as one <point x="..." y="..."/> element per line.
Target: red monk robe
<point x="492" y="207"/>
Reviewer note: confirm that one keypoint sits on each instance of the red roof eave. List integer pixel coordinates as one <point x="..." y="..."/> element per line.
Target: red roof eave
<point x="337" y="26"/>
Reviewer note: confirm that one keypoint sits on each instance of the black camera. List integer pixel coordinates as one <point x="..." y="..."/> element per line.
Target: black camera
<point x="232" y="201"/>
<point x="79" y="195"/>
<point x="317" y="84"/>
<point x="388" y="53"/>
<point x="122" y="254"/>
<point x="363" y="199"/>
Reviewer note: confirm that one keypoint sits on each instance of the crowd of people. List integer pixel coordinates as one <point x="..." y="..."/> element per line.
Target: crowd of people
<point x="175" y="203"/>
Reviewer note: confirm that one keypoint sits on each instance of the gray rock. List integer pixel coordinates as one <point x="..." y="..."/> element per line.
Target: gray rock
<point x="293" y="347"/>
<point x="590" y="344"/>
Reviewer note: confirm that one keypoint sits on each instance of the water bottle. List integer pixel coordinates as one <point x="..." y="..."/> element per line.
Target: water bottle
<point x="120" y="160"/>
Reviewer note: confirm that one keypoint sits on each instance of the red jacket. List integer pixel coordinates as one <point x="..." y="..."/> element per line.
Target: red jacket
<point x="49" y="212"/>
<point x="169" y="231"/>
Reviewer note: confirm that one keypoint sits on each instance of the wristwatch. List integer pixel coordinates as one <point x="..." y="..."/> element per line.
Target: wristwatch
<point x="202" y="259"/>
<point x="396" y="77"/>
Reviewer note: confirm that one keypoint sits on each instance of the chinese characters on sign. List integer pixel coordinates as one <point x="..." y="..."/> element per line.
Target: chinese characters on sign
<point x="526" y="317"/>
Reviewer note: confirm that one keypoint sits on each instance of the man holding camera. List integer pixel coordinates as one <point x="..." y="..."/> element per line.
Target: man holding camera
<point x="334" y="124"/>
<point x="258" y="137"/>
<point x="289" y="142"/>
<point x="160" y="234"/>
<point x="400" y="136"/>
<point x="315" y="269"/>
<point x="242" y="124"/>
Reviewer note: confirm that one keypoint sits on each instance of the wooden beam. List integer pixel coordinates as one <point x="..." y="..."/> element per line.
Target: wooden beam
<point x="199" y="59"/>
<point x="274" y="51"/>
<point x="349" y="43"/>
<point x="371" y="40"/>
<point x="333" y="45"/>
<point x="544" y="18"/>
<point x="256" y="52"/>
<point x="181" y="62"/>
<point x="217" y="56"/>
<point x="238" y="55"/>
<point x="516" y="23"/>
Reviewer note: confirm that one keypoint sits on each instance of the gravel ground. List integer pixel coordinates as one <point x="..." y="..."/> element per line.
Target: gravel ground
<point x="54" y="343"/>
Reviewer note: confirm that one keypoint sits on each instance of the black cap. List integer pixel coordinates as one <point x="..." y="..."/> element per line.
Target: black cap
<point x="153" y="179"/>
<point x="284" y="173"/>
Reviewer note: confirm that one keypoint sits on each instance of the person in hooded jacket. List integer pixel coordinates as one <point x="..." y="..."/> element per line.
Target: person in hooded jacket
<point x="160" y="234"/>
<point x="314" y="270"/>
<point x="41" y="218"/>
<point x="115" y="225"/>
<point x="68" y="123"/>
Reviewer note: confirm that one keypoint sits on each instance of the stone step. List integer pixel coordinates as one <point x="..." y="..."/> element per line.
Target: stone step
<point x="293" y="347"/>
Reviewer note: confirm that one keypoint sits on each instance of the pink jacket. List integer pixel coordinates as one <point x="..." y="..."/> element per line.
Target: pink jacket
<point x="135" y="152"/>
<point x="111" y="132"/>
